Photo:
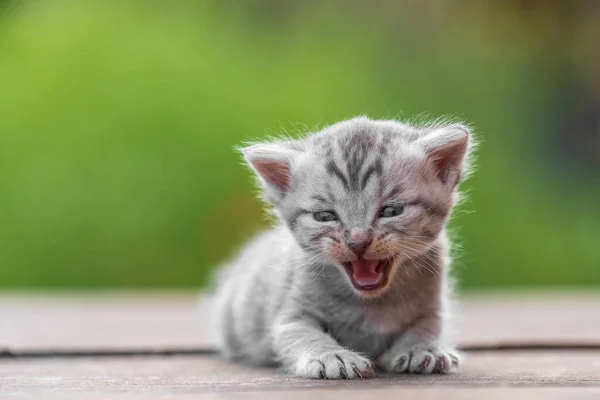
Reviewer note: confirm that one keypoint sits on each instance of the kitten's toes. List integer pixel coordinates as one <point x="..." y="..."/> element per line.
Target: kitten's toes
<point x="422" y="362"/>
<point x="426" y="360"/>
<point x="447" y="361"/>
<point x="343" y="364"/>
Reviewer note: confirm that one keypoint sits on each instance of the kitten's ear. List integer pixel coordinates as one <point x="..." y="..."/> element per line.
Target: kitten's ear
<point x="447" y="148"/>
<point x="271" y="161"/>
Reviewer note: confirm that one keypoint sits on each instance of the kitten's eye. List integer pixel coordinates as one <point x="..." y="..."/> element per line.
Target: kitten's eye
<point x="325" y="216"/>
<point x="391" y="211"/>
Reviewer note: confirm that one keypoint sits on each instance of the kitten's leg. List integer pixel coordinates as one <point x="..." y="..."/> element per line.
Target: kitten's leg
<point x="420" y="350"/>
<point x="305" y="350"/>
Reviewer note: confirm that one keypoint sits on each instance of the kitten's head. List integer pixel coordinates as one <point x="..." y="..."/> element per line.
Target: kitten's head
<point x="363" y="194"/>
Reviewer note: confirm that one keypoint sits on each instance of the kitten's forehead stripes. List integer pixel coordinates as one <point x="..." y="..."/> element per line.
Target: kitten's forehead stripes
<point x="354" y="165"/>
<point x="354" y="155"/>
<point x="333" y="170"/>
<point x="355" y="152"/>
<point x="374" y="169"/>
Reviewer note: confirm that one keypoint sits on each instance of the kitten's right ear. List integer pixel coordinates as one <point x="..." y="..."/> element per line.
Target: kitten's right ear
<point x="272" y="163"/>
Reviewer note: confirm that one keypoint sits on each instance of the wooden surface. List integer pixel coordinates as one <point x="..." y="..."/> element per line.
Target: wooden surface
<point x="30" y="323"/>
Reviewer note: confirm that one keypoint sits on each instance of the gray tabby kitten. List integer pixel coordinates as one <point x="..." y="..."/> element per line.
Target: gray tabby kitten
<point x="355" y="275"/>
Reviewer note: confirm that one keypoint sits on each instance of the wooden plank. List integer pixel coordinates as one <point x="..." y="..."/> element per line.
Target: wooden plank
<point x="134" y="321"/>
<point x="382" y="394"/>
<point x="153" y="321"/>
<point x="178" y="376"/>
<point x="521" y="317"/>
<point x="115" y="321"/>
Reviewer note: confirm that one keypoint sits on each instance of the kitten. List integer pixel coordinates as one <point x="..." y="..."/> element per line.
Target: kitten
<point x="355" y="274"/>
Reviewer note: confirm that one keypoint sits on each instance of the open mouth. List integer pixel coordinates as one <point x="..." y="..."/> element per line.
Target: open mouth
<point x="368" y="275"/>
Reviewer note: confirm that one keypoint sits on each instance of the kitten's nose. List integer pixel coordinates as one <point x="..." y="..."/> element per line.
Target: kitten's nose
<point x="359" y="241"/>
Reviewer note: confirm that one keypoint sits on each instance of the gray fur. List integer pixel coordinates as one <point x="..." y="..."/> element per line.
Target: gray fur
<point x="286" y="300"/>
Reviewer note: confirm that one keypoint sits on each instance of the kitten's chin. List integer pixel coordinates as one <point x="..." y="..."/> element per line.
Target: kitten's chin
<point x="369" y="277"/>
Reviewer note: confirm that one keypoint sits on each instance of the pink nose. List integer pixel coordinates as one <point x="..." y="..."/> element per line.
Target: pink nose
<point x="359" y="241"/>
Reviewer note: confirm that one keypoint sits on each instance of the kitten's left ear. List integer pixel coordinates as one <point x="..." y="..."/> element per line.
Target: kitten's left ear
<point x="447" y="148"/>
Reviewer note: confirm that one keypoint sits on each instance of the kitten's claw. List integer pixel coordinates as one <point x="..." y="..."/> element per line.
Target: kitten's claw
<point x="343" y="364"/>
<point x="401" y="363"/>
<point x="426" y="360"/>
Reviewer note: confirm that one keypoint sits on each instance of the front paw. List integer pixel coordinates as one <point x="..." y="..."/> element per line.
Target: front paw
<point x="341" y="364"/>
<point x="424" y="359"/>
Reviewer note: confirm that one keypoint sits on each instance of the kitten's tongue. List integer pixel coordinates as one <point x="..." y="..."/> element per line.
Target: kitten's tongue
<point x="365" y="272"/>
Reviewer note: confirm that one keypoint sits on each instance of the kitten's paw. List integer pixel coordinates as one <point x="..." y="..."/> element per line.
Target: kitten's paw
<point x="342" y="364"/>
<point x="425" y="360"/>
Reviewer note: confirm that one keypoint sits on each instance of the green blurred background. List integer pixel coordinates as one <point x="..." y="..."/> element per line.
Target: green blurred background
<point x="118" y="119"/>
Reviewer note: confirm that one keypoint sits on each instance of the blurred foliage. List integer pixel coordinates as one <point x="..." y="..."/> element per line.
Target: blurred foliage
<point x="118" y="121"/>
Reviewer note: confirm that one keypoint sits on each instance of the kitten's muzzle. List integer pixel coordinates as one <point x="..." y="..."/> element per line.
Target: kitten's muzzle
<point x="359" y="248"/>
<point x="359" y="240"/>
